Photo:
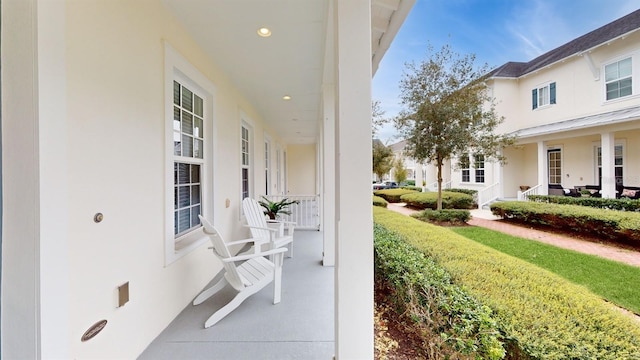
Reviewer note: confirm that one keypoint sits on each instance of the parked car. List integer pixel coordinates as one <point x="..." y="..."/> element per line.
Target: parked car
<point x="378" y="186"/>
<point x="385" y="185"/>
<point x="390" y="184"/>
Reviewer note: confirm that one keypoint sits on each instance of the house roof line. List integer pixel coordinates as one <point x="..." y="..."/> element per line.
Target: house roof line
<point x="603" y="35"/>
<point x="583" y="122"/>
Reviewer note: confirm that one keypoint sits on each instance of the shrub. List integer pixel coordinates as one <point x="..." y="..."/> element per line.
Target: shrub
<point x="452" y="319"/>
<point x="464" y="191"/>
<point x="411" y="182"/>
<point x="392" y="195"/>
<point x="428" y="200"/>
<point x="613" y="204"/>
<point x="451" y="216"/>
<point x="541" y="314"/>
<point x="378" y="201"/>
<point x="414" y="188"/>
<point x="619" y="226"/>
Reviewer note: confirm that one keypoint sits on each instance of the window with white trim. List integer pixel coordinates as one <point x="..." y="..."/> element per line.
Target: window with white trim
<point x="245" y="150"/>
<point x="465" y="167"/>
<point x="188" y="154"/>
<point x="267" y="166"/>
<point x="278" y="171"/>
<point x="618" y="163"/>
<point x="543" y="95"/>
<point x="188" y="158"/>
<point x="479" y="167"/>
<point x="618" y="79"/>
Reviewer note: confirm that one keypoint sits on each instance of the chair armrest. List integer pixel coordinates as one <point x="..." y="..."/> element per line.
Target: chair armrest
<point x="254" y="255"/>
<point x="256" y="241"/>
<point x="281" y="222"/>
<point x="261" y="228"/>
<point x="237" y="242"/>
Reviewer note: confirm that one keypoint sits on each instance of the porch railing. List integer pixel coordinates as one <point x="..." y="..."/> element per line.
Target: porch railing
<point x="434" y="186"/>
<point x="488" y="194"/>
<point x="524" y="195"/>
<point x="306" y="214"/>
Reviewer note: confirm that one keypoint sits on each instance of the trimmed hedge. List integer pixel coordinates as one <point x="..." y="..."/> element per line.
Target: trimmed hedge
<point x="378" y="201"/>
<point x="414" y="188"/>
<point x="613" y="204"/>
<point x="619" y="226"/>
<point x="453" y="216"/>
<point x="392" y="195"/>
<point x="464" y="191"/>
<point x="424" y="293"/>
<point x="429" y="200"/>
<point x="541" y="314"/>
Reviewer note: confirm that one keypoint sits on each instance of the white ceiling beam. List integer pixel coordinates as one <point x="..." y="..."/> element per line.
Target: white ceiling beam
<point x="380" y="23"/>
<point x="392" y="5"/>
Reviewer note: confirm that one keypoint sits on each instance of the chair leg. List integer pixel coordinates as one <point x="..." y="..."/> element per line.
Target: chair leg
<point x="210" y="291"/>
<point x="290" y="249"/>
<point x="277" y="277"/>
<point x="232" y="305"/>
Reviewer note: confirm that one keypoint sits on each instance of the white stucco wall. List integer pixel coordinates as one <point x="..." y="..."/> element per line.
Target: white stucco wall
<point x="107" y="155"/>
<point x="302" y="169"/>
<point x="579" y="93"/>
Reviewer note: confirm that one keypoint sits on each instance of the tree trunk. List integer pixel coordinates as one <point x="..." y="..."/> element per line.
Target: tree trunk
<point x="439" y="203"/>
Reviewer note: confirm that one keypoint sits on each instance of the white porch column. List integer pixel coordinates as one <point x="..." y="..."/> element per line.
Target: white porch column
<point x="35" y="263"/>
<point x="543" y="179"/>
<point x="418" y="171"/>
<point x="328" y="190"/>
<point x="608" y="165"/>
<point x="354" y="242"/>
<point x="499" y="177"/>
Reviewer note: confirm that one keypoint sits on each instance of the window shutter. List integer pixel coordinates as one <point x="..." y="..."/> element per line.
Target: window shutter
<point x="552" y="93"/>
<point x="534" y="98"/>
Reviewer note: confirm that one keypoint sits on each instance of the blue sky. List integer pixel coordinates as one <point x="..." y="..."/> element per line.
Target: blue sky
<point x="497" y="31"/>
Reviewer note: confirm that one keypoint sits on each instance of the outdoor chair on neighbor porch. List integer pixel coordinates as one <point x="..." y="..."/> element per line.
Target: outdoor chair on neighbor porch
<point x="277" y="233"/>
<point x="246" y="273"/>
<point x="558" y="190"/>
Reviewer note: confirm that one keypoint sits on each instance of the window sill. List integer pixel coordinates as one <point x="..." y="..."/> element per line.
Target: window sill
<point x="620" y="99"/>
<point x="544" y="107"/>
<point x="186" y="244"/>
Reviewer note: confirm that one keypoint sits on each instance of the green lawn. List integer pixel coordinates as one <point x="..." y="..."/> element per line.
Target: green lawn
<point x="616" y="282"/>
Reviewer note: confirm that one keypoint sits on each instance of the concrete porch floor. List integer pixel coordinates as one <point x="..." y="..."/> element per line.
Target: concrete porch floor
<point x="301" y="326"/>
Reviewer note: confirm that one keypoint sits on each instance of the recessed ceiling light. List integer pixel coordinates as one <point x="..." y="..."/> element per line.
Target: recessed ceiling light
<point x="264" y="32"/>
<point x="286" y="97"/>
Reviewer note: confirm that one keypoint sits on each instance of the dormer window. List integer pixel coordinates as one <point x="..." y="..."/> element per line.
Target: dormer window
<point x="618" y="76"/>
<point x="543" y="95"/>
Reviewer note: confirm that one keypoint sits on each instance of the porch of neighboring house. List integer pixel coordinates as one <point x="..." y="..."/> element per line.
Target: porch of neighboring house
<point x="301" y="326"/>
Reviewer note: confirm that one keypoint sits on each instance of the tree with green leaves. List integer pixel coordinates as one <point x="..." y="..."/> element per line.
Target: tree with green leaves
<point x="377" y="117"/>
<point x="382" y="159"/>
<point x="447" y="111"/>
<point x="399" y="171"/>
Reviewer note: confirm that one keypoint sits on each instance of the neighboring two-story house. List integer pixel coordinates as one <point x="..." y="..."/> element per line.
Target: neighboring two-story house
<point x="576" y="113"/>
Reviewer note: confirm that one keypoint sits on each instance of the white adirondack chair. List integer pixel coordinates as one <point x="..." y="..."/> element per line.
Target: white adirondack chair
<point x="247" y="273"/>
<point x="277" y="233"/>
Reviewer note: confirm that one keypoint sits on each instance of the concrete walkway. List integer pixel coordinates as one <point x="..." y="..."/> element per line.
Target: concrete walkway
<point x="485" y="219"/>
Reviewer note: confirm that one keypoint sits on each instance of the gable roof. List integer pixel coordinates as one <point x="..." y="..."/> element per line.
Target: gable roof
<point x="622" y="26"/>
<point x="399" y="146"/>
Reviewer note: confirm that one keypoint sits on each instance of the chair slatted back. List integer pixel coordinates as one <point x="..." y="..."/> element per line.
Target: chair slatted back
<point x="222" y="251"/>
<point x="255" y="217"/>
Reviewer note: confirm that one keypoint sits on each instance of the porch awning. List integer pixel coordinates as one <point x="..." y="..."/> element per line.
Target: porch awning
<point x="608" y="118"/>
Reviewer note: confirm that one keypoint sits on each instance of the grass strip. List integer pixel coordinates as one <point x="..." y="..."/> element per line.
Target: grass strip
<point x="616" y="282"/>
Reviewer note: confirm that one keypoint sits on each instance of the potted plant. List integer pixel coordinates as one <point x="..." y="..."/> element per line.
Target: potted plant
<point x="275" y="208"/>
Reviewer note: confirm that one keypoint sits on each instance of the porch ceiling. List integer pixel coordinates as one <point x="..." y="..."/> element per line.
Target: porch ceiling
<point x="289" y="62"/>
